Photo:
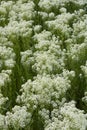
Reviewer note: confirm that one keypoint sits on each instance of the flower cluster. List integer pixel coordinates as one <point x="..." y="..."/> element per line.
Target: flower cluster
<point x="19" y="117"/>
<point x="44" y="91"/>
<point x="46" y="46"/>
<point x="68" y="118"/>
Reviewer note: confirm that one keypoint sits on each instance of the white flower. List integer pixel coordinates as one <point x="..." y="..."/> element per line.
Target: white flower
<point x="7" y="56"/>
<point x="44" y="35"/>
<point x="44" y="91"/>
<point x="3" y="125"/>
<point x="37" y="28"/>
<point x="22" y="11"/>
<point x="46" y="62"/>
<point x="19" y="117"/>
<point x="69" y="118"/>
<point x="4" y="78"/>
<point x="16" y="29"/>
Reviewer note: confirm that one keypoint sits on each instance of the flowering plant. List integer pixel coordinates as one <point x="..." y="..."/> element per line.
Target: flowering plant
<point x="43" y="65"/>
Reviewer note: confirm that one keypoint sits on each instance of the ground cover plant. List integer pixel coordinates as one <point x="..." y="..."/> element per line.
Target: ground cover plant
<point x="43" y="65"/>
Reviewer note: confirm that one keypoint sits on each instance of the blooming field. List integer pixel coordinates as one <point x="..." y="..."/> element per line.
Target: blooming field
<point x="43" y="65"/>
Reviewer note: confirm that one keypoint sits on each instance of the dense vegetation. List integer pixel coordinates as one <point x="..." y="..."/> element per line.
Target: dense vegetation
<point x="43" y="65"/>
